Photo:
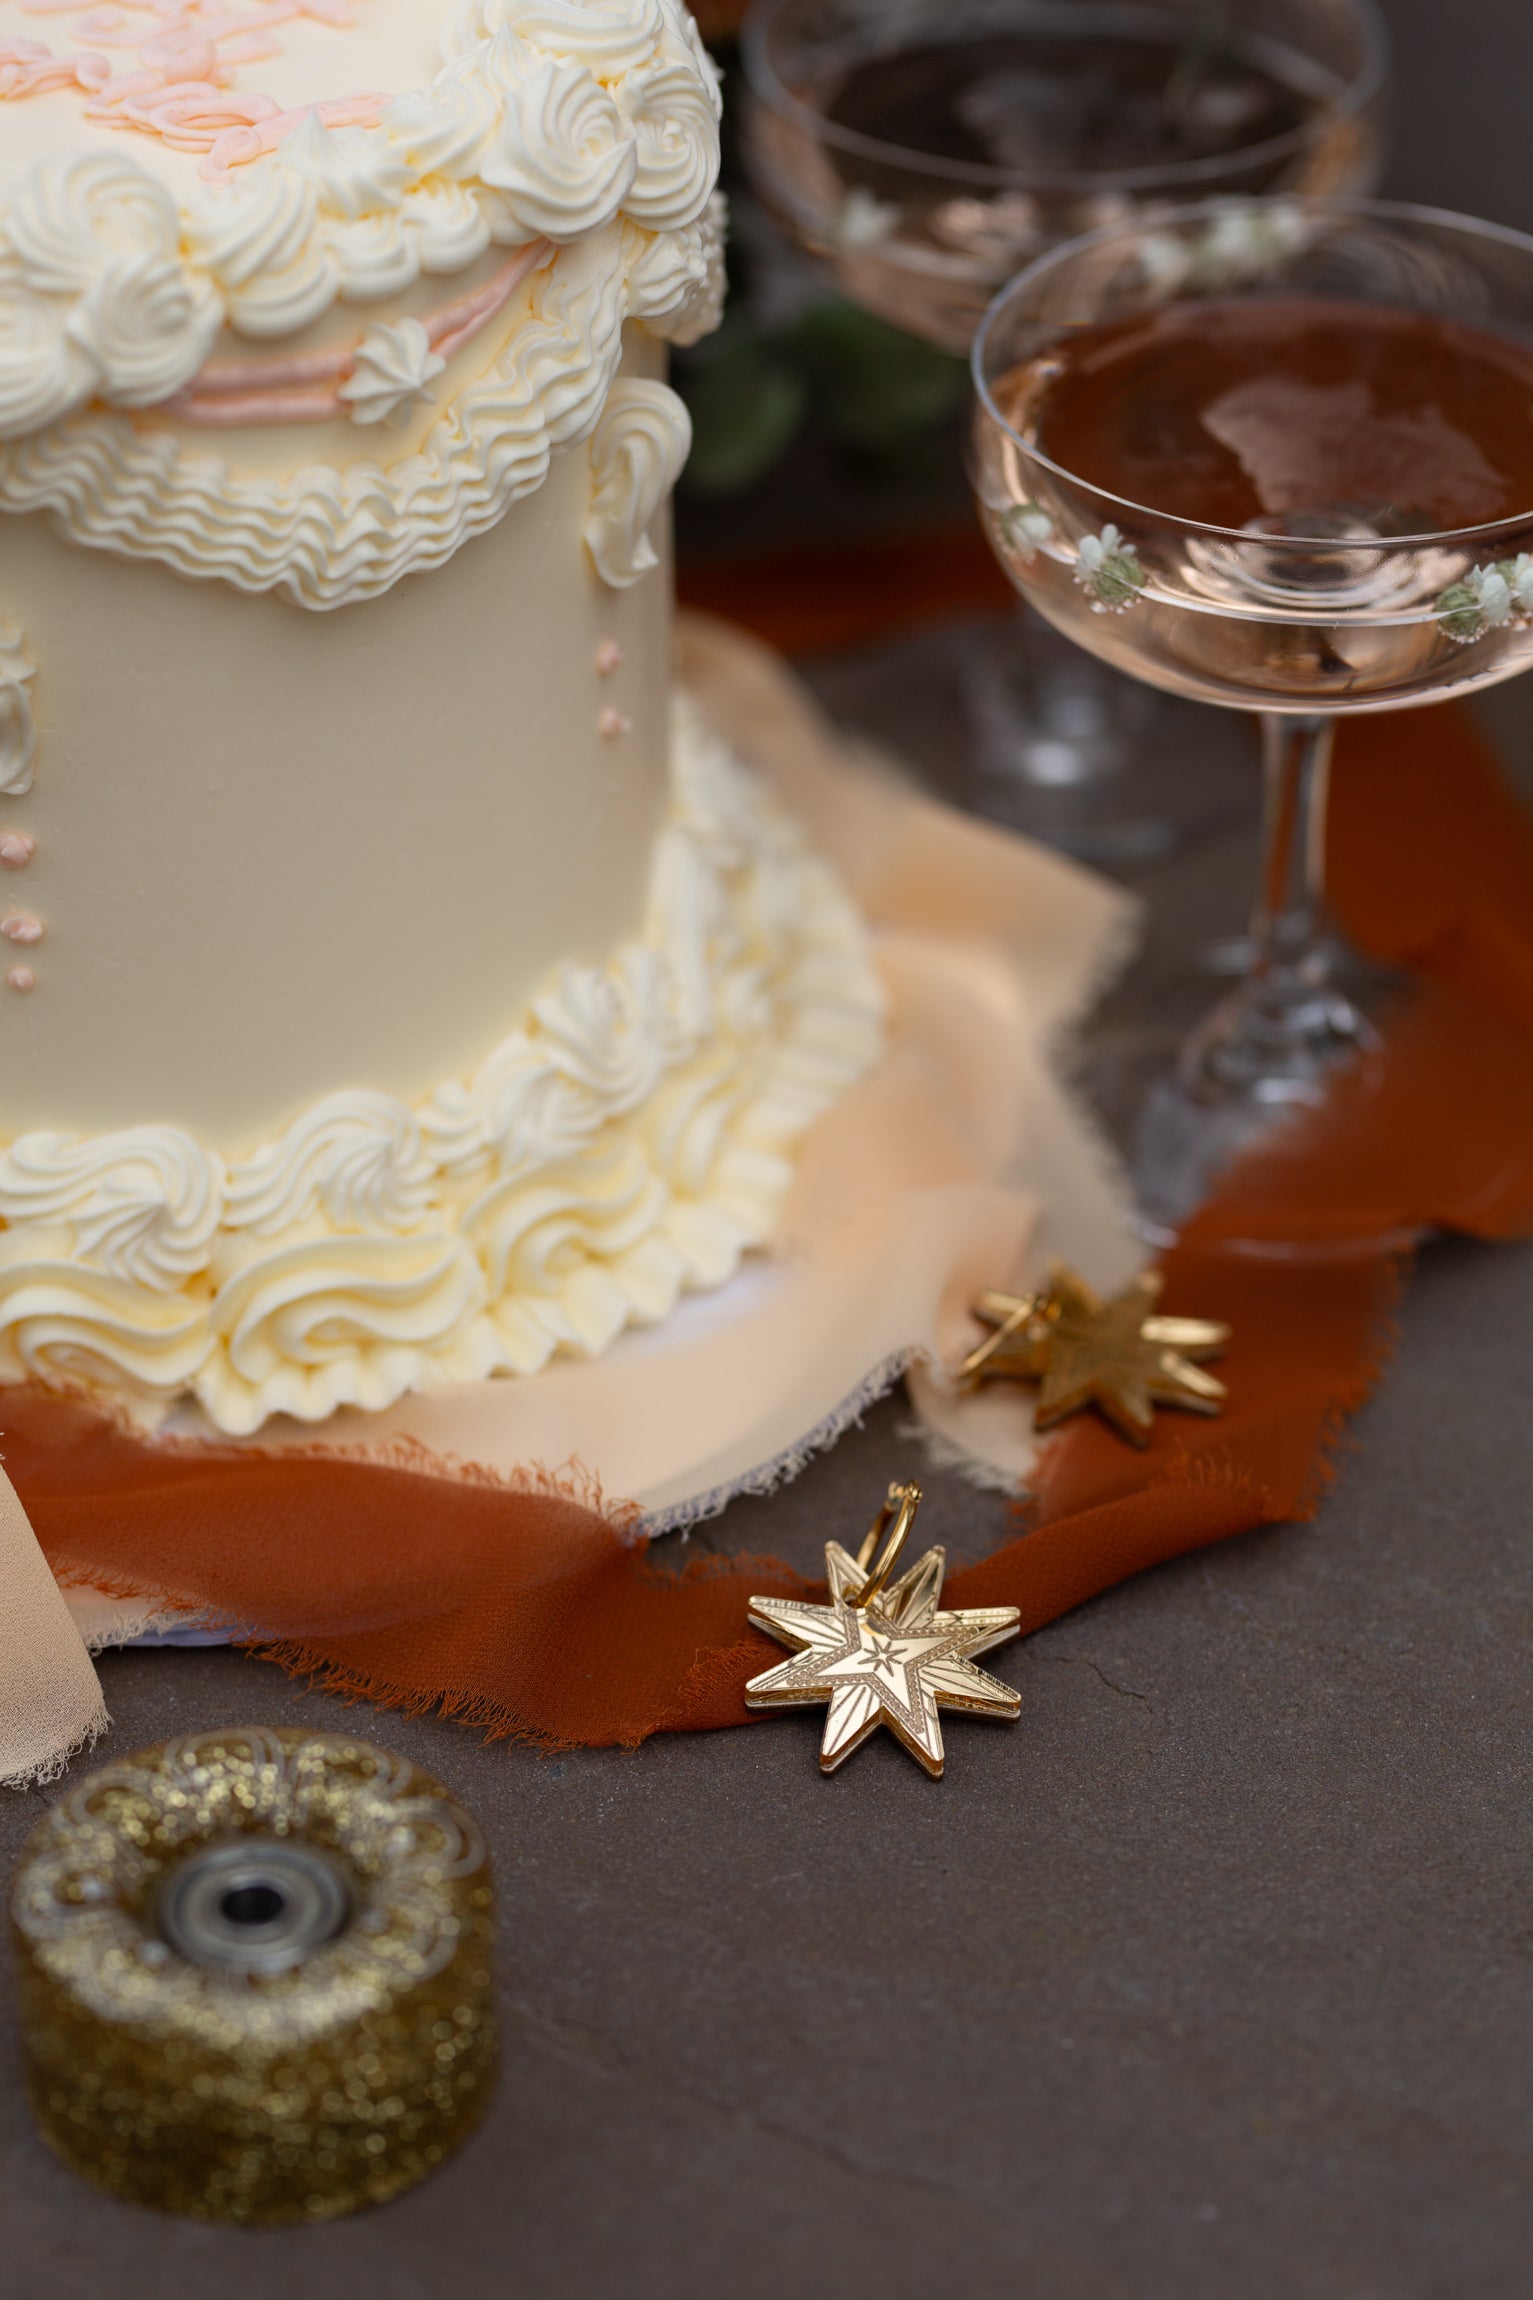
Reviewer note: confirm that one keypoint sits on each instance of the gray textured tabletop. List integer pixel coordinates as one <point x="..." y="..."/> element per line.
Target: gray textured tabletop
<point x="1213" y="1976"/>
<point x="1210" y="1977"/>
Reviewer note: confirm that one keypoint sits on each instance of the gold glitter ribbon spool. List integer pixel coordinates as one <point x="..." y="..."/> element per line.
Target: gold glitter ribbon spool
<point x="255" y="1981"/>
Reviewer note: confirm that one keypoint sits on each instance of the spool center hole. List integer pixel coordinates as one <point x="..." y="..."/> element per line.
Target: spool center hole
<point x="252" y="1905"/>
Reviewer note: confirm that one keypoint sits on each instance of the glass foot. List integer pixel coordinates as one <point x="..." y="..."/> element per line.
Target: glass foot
<point x="1085" y="760"/>
<point x="1243" y="1075"/>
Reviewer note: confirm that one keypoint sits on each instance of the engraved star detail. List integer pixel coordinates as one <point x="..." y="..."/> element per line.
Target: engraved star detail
<point x="891" y="1662"/>
<point x="1121" y="1355"/>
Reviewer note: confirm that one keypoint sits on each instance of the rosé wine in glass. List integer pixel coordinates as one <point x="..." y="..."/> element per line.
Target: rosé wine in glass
<point x="1276" y="455"/>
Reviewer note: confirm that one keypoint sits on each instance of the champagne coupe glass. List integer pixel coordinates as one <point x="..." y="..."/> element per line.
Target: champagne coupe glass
<point x="1275" y="455"/>
<point x="924" y="150"/>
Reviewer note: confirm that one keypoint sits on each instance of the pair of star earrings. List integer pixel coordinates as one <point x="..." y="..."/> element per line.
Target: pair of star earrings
<point x="883" y="1652"/>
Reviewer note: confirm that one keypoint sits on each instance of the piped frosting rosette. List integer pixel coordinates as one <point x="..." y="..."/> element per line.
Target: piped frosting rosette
<point x="629" y="1140"/>
<point x="582" y="138"/>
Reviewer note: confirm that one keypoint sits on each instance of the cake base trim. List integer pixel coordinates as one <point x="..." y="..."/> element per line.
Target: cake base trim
<point x="627" y="1142"/>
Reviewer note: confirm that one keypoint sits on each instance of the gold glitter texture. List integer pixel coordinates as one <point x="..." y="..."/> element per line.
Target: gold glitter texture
<point x="256" y="2096"/>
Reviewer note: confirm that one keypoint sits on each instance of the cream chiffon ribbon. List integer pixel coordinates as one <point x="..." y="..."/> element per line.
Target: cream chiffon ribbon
<point x="959" y="1163"/>
<point x="50" y="1701"/>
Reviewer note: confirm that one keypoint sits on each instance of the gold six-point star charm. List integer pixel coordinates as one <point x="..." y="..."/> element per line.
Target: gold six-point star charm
<point x="1120" y="1355"/>
<point x="883" y="1653"/>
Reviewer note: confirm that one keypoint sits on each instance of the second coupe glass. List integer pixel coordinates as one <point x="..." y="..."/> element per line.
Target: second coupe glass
<point x="923" y="150"/>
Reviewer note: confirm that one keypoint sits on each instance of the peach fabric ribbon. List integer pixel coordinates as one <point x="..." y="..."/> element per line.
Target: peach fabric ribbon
<point x="924" y="1183"/>
<point x="526" y="1607"/>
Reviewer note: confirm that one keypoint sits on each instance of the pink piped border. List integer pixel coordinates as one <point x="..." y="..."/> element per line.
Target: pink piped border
<point x="230" y="394"/>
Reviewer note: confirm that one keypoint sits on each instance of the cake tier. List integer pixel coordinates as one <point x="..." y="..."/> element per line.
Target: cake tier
<point x="391" y="996"/>
<point x="177" y="170"/>
<point x="630" y="1136"/>
<point x="308" y="341"/>
<point x="276" y="851"/>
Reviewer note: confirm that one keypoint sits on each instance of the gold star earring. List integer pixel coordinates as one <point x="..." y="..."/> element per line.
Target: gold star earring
<point x="883" y="1653"/>
<point x="1119" y="1355"/>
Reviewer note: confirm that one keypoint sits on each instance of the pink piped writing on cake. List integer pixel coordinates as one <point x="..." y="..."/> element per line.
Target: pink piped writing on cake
<point x="183" y="58"/>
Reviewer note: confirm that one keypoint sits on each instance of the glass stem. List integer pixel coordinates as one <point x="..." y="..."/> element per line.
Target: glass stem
<point x="1290" y="961"/>
<point x="1286" y="1024"/>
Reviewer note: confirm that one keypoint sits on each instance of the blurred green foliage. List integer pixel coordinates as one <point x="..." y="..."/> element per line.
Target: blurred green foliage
<point x="877" y="394"/>
<point x="748" y="403"/>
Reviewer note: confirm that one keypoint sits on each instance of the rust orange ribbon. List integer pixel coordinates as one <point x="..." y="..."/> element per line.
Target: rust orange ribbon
<point x="527" y="1610"/>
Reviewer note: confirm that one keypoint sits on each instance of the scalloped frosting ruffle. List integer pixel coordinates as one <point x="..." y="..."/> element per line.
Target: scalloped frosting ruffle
<point x="326" y="537"/>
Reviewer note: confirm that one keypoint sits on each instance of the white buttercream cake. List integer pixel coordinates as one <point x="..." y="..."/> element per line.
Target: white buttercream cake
<point x="397" y="985"/>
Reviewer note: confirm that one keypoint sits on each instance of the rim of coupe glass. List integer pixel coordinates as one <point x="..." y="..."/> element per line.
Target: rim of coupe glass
<point x="1387" y="211"/>
<point x="766" y="83"/>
